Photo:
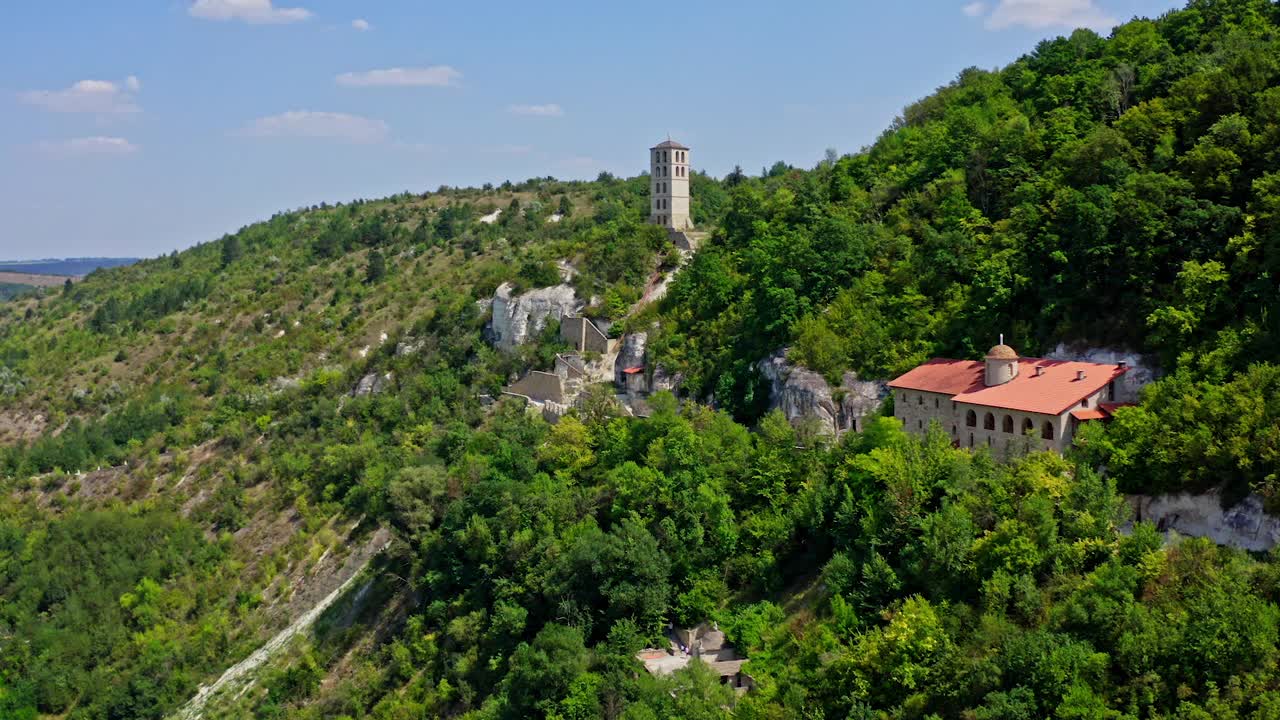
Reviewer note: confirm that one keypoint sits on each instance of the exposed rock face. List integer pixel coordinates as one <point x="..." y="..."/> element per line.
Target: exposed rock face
<point x="409" y="346"/>
<point x="372" y="384"/>
<point x="630" y="354"/>
<point x="1141" y="370"/>
<point x="664" y="380"/>
<point x="516" y="318"/>
<point x="1243" y="526"/>
<point x="802" y="393"/>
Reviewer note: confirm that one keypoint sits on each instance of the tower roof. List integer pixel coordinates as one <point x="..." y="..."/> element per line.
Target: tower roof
<point x="1002" y="352"/>
<point x="669" y="145"/>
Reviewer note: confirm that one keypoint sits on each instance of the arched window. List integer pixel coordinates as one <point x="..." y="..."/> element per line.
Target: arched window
<point x="1046" y="431"/>
<point x="1007" y="424"/>
<point x="971" y="419"/>
<point x="936" y="404"/>
<point x="988" y="422"/>
<point x="1027" y="426"/>
<point x="919" y="399"/>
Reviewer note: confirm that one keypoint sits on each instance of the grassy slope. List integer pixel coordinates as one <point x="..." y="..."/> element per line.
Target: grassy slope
<point x="274" y="316"/>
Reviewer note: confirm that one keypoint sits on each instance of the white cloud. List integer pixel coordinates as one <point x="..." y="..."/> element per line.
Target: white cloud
<point x="432" y="76"/>
<point x="254" y="12"/>
<point x="1040" y="14"/>
<point x="327" y="125"/>
<point x="974" y="9"/>
<point x="77" y="147"/>
<point x="547" y="110"/>
<point x="87" y="96"/>
<point x="132" y="83"/>
<point x="361" y="24"/>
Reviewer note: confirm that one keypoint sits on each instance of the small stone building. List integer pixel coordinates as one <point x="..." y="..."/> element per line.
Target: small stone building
<point x="1005" y="401"/>
<point x="705" y="644"/>
<point x="583" y="335"/>
<point x="669" y="185"/>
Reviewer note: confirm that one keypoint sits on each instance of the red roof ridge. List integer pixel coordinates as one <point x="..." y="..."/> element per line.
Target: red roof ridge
<point x="1052" y="392"/>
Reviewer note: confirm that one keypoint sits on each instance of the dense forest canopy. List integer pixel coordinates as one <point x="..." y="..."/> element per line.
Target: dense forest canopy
<point x="1101" y="190"/>
<point x="183" y="449"/>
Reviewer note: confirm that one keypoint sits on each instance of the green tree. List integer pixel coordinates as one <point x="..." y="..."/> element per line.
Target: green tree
<point x="377" y="268"/>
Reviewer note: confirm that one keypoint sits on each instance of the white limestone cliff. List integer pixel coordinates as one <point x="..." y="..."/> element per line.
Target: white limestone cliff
<point x="518" y="317"/>
<point x="1243" y="525"/>
<point x="631" y="352"/>
<point x="802" y="393"/>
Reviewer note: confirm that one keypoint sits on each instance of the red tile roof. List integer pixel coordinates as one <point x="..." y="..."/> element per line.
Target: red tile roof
<point x="633" y="370"/>
<point x="1051" y="393"/>
<point x="1083" y="414"/>
<point x="940" y="375"/>
<point x="1110" y="407"/>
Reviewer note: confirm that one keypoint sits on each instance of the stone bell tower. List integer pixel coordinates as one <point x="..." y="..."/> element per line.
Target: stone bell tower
<point x="669" y="178"/>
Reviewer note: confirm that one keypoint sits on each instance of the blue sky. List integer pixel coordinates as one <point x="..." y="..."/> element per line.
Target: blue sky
<point x="136" y="128"/>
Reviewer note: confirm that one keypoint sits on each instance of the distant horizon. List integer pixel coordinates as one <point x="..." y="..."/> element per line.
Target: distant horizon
<point x="29" y="261"/>
<point x="124" y="140"/>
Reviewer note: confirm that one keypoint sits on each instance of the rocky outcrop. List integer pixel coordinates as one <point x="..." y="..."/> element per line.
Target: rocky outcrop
<point x="372" y="384"/>
<point x="409" y="345"/>
<point x="802" y="393"/>
<point x="665" y="380"/>
<point x="1244" y="525"/>
<point x="518" y="317"/>
<point x="630" y="354"/>
<point x="1141" y="370"/>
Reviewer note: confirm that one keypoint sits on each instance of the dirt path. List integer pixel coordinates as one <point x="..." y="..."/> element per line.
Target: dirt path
<point x="241" y="676"/>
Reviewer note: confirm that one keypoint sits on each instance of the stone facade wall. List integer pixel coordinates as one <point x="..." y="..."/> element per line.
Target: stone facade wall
<point x="540" y="386"/>
<point x="583" y="336"/>
<point x="569" y="366"/>
<point x="916" y="409"/>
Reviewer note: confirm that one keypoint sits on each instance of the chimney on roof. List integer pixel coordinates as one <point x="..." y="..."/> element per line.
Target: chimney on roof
<point x="1039" y="370"/>
<point x="1079" y="374"/>
<point x="1123" y="364"/>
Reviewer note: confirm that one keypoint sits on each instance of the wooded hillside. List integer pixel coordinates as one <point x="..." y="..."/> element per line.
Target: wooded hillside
<point x="183" y="453"/>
